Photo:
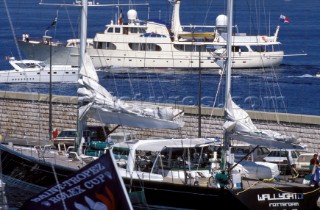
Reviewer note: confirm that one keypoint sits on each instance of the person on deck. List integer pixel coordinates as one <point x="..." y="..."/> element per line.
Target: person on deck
<point x="314" y="170"/>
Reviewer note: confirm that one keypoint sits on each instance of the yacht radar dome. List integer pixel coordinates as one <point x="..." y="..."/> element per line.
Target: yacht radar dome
<point x="221" y="21"/>
<point x="132" y="15"/>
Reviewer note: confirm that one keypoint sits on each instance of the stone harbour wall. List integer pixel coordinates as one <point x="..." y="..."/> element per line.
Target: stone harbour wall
<point x="26" y="116"/>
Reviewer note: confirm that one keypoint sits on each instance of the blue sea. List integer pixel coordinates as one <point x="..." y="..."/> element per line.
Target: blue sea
<point x="291" y="87"/>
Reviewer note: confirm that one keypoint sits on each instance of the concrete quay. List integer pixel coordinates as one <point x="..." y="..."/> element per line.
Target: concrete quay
<point x="26" y="116"/>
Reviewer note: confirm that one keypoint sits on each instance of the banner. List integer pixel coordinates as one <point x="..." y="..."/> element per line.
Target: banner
<point x="95" y="186"/>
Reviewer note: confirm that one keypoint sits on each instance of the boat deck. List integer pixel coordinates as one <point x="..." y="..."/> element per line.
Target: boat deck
<point x="72" y="160"/>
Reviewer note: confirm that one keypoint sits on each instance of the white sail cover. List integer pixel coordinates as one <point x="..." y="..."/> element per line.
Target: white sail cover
<point x="239" y="126"/>
<point x="96" y="102"/>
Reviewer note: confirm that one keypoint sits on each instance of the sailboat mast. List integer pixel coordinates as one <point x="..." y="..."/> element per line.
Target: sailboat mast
<point x="228" y="75"/>
<point x="83" y="42"/>
<point x="229" y="46"/>
<point x="83" y="32"/>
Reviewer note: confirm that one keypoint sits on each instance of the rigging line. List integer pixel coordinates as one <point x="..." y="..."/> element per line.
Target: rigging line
<point x="69" y="20"/>
<point x="275" y="81"/>
<point x="207" y="13"/>
<point x="130" y="83"/>
<point x="115" y="83"/>
<point x="12" y="30"/>
<point x="157" y="79"/>
<point x="162" y="91"/>
<point x="55" y="26"/>
<point x="215" y="99"/>
<point x="59" y="187"/>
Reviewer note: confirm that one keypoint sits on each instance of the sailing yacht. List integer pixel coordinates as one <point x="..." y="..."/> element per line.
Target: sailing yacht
<point x="153" y="43"/>
<point x="229" y="186"/>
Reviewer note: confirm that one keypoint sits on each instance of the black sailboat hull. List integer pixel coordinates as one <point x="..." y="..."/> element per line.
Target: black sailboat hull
<point x="29" y="170"/>
<point x="184" y="196"/>
<point x="195" y="197"/>
<point x="32" y="176"/>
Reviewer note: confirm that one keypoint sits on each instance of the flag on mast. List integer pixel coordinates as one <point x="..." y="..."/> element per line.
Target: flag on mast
<point x="284" y="19"/>
<point x="120" y="18"/>
<point x="54" y="22"/>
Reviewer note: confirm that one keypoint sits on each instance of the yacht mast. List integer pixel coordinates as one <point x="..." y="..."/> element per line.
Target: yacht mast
<point x="83" y="41"/>
<point x="228" y="72"/>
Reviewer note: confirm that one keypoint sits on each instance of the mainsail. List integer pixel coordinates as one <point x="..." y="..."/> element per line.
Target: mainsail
<point x="238" y="126"/>
<point x="96" y="102"/>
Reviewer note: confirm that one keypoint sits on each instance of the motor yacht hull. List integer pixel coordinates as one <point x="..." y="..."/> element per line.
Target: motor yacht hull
<point x="103" y="58"/>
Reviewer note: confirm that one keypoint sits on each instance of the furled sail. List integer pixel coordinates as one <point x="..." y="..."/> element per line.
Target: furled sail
<point x="239" y="126"/>
<point x="96" y="102"/>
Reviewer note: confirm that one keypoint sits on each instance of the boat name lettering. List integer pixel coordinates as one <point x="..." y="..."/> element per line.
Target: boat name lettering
<point x="95" y="181"/>
<point x="280" y="196"/>
<point x="68" y="194"/>
<point x="86" y="175"/>
<point x="77" y="189"/>
<point x="283" y="204"/>
<point x="83" y="175"/>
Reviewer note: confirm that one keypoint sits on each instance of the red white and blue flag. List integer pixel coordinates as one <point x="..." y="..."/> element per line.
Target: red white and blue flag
<point x="120" y="18"/>
<point x="284" y="19"/>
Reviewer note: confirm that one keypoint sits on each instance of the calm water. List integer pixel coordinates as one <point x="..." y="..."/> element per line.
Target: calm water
<point x="291" y="88"/>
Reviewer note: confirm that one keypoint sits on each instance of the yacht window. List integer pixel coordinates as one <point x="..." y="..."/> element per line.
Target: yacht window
<point x="190" y="48"/>
<point x="105" y="45"/>
<point x="110" y="30"/>
<point x="141" y="30"/>
<point x="258" y="48"/>
<point x="144" y="47"/>
<point x="110" y="46"/>
<point x="152" y="35"/>
<point x="117" y="30"/>
<point x="235" y="48"/>
<point x="30" y="65"/>
<point x="98" y="45"/>
<point x="244" y="49"/>
<point x="180" y="158"/>
<point x="22" y="65"/>
<point x="133" y="30"/>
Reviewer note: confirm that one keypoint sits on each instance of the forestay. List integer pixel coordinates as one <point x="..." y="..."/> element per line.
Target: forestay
<point x="96" y="102"/>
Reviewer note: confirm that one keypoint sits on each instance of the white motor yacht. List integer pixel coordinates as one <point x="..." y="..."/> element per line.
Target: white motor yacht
<point x="34" y="71"/>
<point x="155" y="44"/>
